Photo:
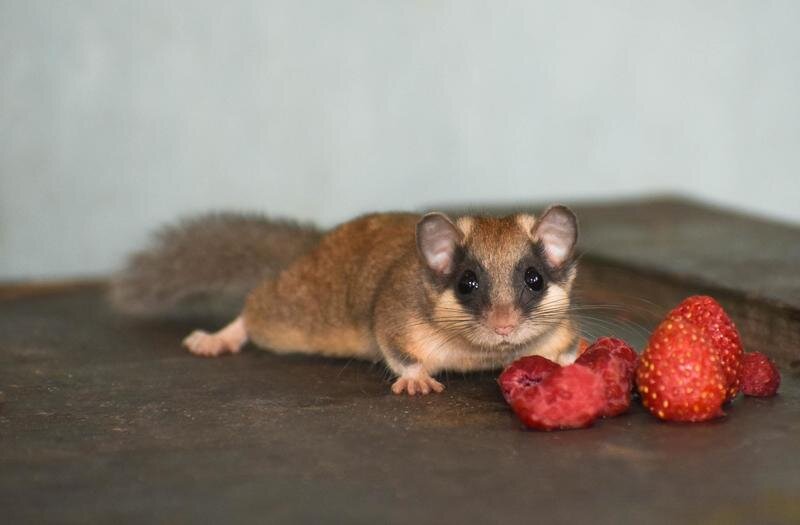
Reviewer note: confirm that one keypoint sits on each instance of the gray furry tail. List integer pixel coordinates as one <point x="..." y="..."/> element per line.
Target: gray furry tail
<point x="207" y="264"/>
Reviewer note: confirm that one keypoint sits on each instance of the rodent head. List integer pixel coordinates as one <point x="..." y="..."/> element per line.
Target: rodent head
<point x="499" y="282"/>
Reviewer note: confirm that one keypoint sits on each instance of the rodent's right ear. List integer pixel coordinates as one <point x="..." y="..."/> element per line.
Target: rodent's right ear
<point x="557" y="230"/>
<point x="437" y="241"/>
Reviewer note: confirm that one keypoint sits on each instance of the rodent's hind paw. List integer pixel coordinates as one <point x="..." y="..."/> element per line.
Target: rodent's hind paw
<point x="209" y="345"/>
<point x="417" y="385"/>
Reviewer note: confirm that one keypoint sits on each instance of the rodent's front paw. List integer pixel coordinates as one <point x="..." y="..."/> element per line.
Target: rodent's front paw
<point x="416" y="381"/>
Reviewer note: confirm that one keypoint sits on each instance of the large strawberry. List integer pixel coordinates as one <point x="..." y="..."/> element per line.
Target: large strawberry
<point x="707" y="314"/>
<point x="679" y="376"/>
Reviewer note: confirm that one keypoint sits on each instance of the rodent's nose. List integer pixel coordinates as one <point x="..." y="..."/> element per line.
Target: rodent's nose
<point x="505" y="329"/>
<point x="503" y="319"/>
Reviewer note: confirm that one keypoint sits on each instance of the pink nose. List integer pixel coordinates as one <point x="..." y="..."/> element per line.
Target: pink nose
<point x="502" y="318"/>
<point x="504" y="330"/>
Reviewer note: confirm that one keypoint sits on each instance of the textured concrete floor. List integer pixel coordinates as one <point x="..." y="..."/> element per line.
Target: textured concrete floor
<point x="106" y="419"/>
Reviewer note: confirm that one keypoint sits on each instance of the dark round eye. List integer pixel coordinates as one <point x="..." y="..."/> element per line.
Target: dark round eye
<point x="534" y="280"/>
<point x="468" y="282"/>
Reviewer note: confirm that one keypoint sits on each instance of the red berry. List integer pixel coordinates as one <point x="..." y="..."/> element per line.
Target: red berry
<point x="524" y="373"/>
<point x="615" y="361"/>
<point x="583" y="345"/>
<point x="613" y="347"/>
<point x="706" y="313"/>
<point x="570" y="397"/>
<point x="760" y="376"/>
<point x="679" y="376"/>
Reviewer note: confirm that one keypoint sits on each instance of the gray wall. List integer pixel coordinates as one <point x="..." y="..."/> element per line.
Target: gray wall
<point x="116" y="116"/>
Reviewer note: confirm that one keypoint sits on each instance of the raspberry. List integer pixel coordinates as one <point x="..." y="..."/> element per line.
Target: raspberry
<point x="706" y="313"/>
<point x="570" y="397"/>
<point x="612" y="347"/>
<point x="679" y="375"/>
<point x="615" y="361"/>
<point x="760" y="376"/>
<point x="524" y="373"/>
<point x="583" y="345"/>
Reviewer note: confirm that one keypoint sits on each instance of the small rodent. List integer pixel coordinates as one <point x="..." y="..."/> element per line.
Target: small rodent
<point x="424" y="294"/>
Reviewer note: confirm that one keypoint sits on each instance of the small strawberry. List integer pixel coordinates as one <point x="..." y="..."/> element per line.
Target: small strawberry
<point x="706" y="313"/>
<point x="679" y="376"/>
<point x="524" y="373"/>
<point x="615" y="361"/>
<point x="571" y="397"/>
<point x="760" y="376"/>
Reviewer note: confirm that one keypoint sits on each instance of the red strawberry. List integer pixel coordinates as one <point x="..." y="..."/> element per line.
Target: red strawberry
<point x="570" y="397"/>
<point x="524" y="373"/>
<point x="615" y="361"/>
<point x="679" y="376"/>
<point x="760" y="376"/>
<point x="707" y="314"/>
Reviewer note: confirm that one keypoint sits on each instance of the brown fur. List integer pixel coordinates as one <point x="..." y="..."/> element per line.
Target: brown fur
<point x="330" y="291"/>
<point x="365" y="292"/>
<point x="381" y="287"/>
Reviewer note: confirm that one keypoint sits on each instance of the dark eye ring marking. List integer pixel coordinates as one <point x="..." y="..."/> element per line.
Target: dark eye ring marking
<point x="468" y="282"/>
<point x="534" y="280"/>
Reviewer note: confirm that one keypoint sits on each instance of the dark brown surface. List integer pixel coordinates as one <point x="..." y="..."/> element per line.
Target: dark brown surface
<point x="107" y="419"/>
<point x="103" y="418"/>
<point x="714" y="247"/>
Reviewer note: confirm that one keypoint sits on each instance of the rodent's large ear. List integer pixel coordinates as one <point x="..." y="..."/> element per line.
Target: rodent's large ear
<point x="437" y="241"/>
<point x="557" y="230"/>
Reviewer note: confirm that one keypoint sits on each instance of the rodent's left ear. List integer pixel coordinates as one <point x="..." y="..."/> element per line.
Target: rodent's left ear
<point x="437" y="241"/>
<point x="557" y="230"/>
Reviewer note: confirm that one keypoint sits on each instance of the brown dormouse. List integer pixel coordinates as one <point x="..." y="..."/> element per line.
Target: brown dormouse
<point x="423" y="294"/>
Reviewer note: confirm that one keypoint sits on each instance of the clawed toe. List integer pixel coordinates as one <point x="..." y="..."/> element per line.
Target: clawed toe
<point x="192" y="339"/>
<point x="399" y="386"/>
<point x="435" y="385"/>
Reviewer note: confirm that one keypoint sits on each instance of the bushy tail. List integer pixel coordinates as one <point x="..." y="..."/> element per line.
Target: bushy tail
<point x="207" y="264"/>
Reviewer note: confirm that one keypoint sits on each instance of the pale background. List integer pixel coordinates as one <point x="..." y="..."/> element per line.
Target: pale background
<point x="117" y="116"/>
